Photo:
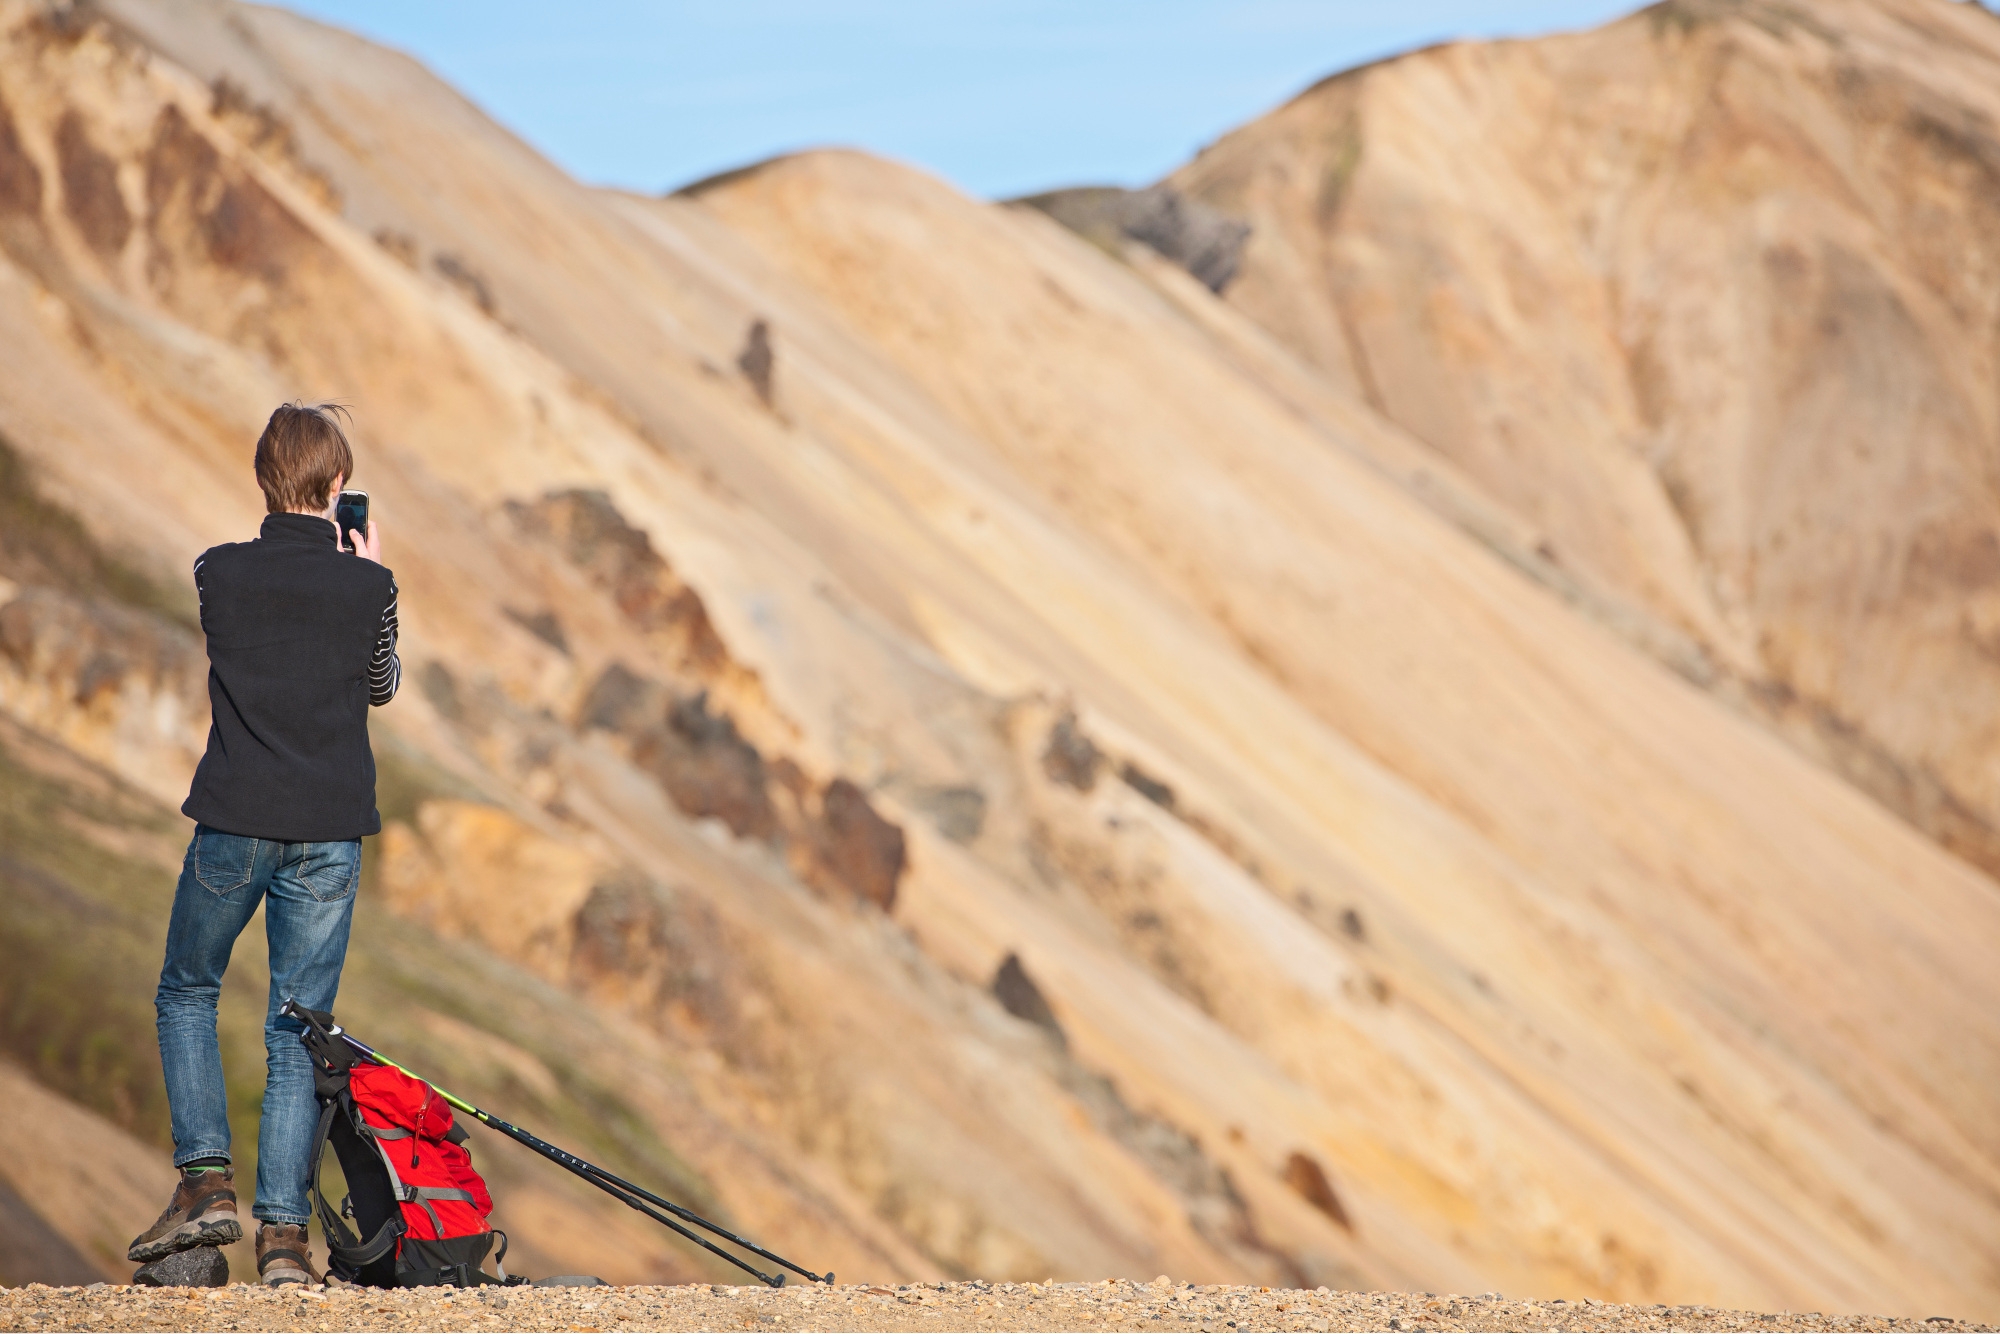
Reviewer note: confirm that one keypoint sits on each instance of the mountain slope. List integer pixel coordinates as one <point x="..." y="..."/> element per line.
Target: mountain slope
<point x="995" y="740"/>
<point x="1711" y="297"/>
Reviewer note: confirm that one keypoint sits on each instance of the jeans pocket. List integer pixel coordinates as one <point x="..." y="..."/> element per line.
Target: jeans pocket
<point x="331" y="871"/>
<point x="223" y="863"/>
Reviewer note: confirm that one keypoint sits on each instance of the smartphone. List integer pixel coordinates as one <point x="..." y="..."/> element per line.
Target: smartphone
<point x="350" y="512"/>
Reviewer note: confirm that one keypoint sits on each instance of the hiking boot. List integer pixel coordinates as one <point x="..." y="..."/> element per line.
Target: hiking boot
<point x="202" y="1213"/>
<point x="284" y="1255"/>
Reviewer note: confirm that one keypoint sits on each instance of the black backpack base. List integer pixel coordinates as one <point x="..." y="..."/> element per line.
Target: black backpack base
<point x="453" y="1263"/>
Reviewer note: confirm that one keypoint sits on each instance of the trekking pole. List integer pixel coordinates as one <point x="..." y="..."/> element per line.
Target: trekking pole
<point x="615" y="1186"/>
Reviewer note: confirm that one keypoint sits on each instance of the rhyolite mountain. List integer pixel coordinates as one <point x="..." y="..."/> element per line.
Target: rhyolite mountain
<point x="1406" y="710"/>
<point x="1712" y="298"/>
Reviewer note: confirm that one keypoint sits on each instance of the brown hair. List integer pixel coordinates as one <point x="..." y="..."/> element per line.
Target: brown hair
<point x="301" y="454"/>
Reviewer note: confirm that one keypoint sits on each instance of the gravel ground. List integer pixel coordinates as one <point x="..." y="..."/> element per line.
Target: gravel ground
<point x="944" y="1306"/>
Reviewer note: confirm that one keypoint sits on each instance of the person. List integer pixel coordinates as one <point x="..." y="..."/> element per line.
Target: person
<point x="301" y="629"/>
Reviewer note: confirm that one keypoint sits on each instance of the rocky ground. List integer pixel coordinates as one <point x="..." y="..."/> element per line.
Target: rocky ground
<point x="942" y="1306"/>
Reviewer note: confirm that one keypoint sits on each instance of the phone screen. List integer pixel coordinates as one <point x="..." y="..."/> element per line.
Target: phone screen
<point x="350" y="512"/>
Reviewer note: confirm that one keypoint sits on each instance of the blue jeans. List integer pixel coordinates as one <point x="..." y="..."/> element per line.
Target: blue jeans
<point x="308" y="894"/>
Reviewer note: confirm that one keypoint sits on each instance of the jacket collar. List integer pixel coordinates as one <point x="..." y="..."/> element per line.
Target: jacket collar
<point x="309" y="529"/>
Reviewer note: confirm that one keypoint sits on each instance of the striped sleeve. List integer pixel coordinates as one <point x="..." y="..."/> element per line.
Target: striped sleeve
<point x="385" y="669"/>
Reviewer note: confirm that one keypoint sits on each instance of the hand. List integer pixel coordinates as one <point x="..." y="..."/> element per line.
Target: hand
<point x="366" y="545"/>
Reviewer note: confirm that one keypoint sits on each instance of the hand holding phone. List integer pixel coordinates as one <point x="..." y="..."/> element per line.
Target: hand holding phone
<point x="357" y="530"/>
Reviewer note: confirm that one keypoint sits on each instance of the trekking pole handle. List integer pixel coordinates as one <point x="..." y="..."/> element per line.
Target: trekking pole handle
<point x="291" y="1009"/>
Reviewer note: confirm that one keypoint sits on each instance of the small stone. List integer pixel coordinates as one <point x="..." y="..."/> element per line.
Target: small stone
<point x="201" y="1267"/>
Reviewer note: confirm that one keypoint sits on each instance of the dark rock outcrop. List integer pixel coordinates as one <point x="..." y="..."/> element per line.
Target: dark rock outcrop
<point x="466" y="279"/>
<point x="95" y="648"/>
<point x="589" y="532"/>
<point x="758" y="362"/>
<point x="1071" y="757"/>
<point x="856" y="849"/>
<point x="1019" y="996"/>
<point x="90" y="188"/>
<point x="20" y="179"/>
<point x="1197" y="236"/>
<point x="958" y="811"/>
<point x="1308" y="1179"/>
<point x="707" y="767"/>
<point x="1152" y="789"/>
<point x="543" y="625"/>
<point x="200" y="202"/>
<point x="837" y="841"/>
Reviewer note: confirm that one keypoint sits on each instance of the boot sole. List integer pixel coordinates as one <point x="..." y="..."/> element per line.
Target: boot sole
<point x="198" y="1232"/>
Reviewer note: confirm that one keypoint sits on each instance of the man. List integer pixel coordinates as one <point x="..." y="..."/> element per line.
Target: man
<point x="301" y="627"/>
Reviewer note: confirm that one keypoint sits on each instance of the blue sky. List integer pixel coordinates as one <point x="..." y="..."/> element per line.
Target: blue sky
<point x="1002" y="97"/>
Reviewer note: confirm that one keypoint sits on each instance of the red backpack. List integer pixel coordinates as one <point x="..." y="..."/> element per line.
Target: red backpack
<point x="418" y="1206"/>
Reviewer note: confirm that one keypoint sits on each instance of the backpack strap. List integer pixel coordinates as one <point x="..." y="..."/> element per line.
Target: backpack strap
<point x="362" y="1254"/>
<point x="332" y="1063"/>
<point x="341" y="1243"/>
<point x="335" y="1231"/>
<point x="425" y="1194"/>
<point x="375" y="1136"/>
<point x="419" y="1195"/>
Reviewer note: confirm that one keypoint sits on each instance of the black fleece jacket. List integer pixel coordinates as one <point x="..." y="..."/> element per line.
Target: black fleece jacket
<point x="301" y="640"/>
